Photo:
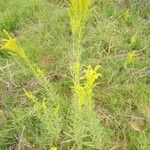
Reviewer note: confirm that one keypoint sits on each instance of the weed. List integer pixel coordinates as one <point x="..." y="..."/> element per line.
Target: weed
<point x="104" y="103"/>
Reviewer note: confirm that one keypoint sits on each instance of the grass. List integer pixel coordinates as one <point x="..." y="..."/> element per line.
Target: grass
<point x="121" y="97"/>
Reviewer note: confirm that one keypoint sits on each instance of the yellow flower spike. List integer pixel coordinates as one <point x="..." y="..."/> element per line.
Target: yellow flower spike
<point x="53" y="148"/>
<point x="84" y="7"/>
<point x="10" y="44"/>
<point x="78" y="15"/>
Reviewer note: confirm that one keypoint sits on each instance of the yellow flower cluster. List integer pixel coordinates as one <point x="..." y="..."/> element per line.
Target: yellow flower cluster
<point x="83" y="92"/>
<point x="53" y="148"/>
<point x="91" y="75"/>
<point x="78" y="15"/>
<point x="130" y="59"/>
<point x="131" y="55"/>
<point x="10" y="44"/>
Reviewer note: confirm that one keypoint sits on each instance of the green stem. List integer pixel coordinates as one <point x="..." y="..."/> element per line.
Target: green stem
<point x="77" y="49"/>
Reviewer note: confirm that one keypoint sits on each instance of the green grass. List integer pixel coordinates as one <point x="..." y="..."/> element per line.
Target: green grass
<point x="122" y="97"/>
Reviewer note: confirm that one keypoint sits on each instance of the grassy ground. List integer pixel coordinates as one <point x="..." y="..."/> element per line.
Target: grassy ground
<point x="122" y="97"/>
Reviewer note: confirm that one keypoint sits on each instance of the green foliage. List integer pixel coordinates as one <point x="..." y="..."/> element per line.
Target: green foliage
<point x="44" y="105"/>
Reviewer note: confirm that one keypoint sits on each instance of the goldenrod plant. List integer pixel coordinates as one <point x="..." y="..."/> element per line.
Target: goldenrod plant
<point x="83" y="131"/>
<point x="10" y="45"/>
<point x="78" y="16"/>
<point x="74" y="84"/>
<point x="87" y="131"/>
<point x="79" y="12"/>
<point x="47" y="109"/>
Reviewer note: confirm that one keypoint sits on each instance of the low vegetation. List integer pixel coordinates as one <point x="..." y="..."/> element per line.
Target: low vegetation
<point x="74" y="75"/>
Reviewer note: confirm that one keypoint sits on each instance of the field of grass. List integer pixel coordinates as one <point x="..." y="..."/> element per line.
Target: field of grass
<point x="46" y="102"/>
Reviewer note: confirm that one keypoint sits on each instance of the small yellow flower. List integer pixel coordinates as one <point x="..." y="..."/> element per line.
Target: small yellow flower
<point x="130" y="59"/>
<point x="131" y="55"/>
<point x="53" y="148"/>
<point x="10" y="44"/>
